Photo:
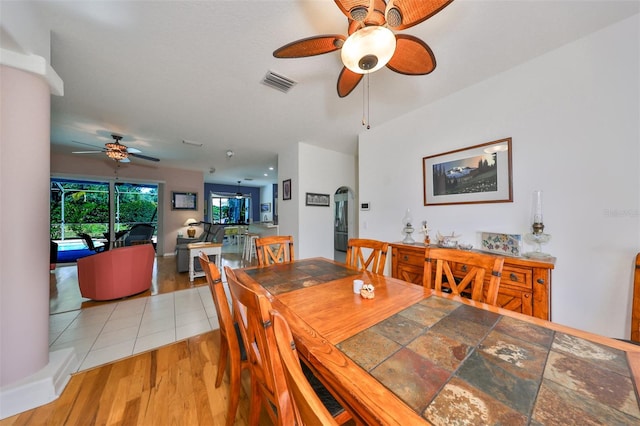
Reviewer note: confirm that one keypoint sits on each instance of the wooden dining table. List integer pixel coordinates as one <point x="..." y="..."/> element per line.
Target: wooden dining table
<point x="412" y="355"/>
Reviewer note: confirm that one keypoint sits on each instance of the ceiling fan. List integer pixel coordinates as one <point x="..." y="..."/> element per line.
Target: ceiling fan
<point x="117" y="151"/>
<point x="371" y="43"/>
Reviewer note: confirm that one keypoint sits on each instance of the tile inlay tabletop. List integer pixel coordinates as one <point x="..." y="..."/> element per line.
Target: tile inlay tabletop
<point x="285" y="277"/>
<point x="453" y="363"/>
<point x="413" y="355"/>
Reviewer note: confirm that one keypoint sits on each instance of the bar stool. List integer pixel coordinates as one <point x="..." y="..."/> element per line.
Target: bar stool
<point x="242" y="236"/>
<point x="249" y="251"/>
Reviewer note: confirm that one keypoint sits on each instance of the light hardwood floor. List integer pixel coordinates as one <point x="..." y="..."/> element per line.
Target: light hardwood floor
<point x="171" y="385"/>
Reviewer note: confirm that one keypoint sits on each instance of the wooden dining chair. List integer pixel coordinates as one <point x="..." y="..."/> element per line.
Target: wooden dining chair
<point x="308" y="407"/>
<point x="274" y="249"/>
<point x="635" y="309"/>
<point x="358" y="248"/>
<point x="443" y="264"/>
<point x="268" y="384"/>
<point x="231" y="344"/>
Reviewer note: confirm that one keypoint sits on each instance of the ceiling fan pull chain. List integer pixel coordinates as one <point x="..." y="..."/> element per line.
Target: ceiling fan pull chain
<point x="365" y="102"/>
<point x="368" y="104"/>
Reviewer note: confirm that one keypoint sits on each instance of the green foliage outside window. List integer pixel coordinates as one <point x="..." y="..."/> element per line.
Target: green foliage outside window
<point x="86" y="207"/>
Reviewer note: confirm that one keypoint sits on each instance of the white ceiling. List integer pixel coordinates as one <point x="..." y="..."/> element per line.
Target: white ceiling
<point x="159" y="72"/>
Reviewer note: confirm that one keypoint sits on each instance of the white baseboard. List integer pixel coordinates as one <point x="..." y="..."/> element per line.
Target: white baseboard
<point x="40" y="388"/>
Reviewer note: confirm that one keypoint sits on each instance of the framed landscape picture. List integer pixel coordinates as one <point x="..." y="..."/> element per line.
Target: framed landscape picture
<point x="265" y="207"/>
<point x="321" y="200"/>
<point x="477" y="174"/>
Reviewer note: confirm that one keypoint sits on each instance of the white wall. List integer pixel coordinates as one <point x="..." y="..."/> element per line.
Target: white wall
<point x="317" y="223"/>
<point x="288" y="209"/>
<point x="573" y="115"/>
<point x="307" y="166"/>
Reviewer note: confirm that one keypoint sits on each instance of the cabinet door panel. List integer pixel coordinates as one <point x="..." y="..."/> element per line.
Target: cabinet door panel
<point x="516" y="301"/>
<point x="409" y="273"/>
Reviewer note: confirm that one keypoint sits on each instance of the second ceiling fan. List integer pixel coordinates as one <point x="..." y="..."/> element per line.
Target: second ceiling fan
<point x="371" y="43"/>
<point x="117" y="151"/>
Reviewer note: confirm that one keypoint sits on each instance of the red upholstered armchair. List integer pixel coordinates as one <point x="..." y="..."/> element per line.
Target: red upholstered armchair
<point x="116" y="273"/>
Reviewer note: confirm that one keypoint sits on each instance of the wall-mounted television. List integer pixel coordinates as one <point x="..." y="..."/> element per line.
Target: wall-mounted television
<point x="184" y="200"/>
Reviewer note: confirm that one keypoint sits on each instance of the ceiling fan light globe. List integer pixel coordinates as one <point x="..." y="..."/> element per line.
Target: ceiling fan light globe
<point x="368" y="49"/>
<point x="117" y="155"/>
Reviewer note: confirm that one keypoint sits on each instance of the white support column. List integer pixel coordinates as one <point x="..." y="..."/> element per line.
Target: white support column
<point x="29" y="376"/>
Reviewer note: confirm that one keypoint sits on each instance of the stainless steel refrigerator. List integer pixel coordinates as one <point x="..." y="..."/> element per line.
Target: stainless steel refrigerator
<point x="341" y="232"/>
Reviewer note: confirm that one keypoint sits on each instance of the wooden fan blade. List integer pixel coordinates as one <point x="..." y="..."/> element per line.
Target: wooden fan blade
<point x="310" y="46"/>
<point x="412" y="56"/>
<point x="411" y="12"/>
<point x="347" y="81"/>
<point x="87" y="152"/>
<point x="143" y="157"/>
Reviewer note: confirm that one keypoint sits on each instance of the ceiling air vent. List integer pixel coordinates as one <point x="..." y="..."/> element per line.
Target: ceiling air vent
<point x="278" y="82"/>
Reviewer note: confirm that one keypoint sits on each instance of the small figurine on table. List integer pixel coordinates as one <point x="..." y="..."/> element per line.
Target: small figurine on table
<point x="367" y="291"/>
<point x="425" y="231"/>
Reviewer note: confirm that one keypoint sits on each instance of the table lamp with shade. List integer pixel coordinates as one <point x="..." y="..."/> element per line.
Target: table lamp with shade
<point x="191" y="231"/>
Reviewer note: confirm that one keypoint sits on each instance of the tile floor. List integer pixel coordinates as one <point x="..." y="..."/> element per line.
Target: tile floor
<point x="113" y="331"/>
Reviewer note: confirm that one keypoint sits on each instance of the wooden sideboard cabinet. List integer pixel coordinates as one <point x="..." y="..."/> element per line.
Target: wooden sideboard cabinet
<point x="525" y="286"/>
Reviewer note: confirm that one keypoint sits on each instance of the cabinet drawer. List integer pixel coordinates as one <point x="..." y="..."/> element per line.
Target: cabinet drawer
<point x="511" y="276"/>
<point x="411" y="258"/>
<point x="516" y="277"/>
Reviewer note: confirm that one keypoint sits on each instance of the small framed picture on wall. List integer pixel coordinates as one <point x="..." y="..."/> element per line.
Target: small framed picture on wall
<point x="286" y="189"/>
